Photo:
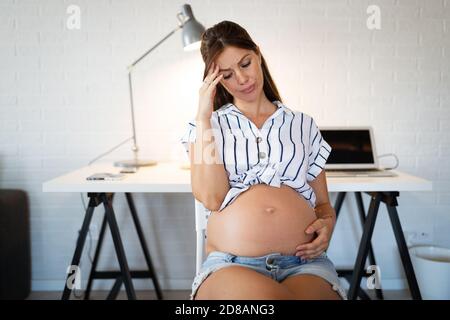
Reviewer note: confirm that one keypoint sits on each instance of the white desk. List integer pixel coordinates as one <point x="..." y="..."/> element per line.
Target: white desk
<point x="170" y="177"/>
<point x="162" y="178"/>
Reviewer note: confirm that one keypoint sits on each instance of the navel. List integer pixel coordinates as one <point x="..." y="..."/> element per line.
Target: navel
<point x="270" y="210"/>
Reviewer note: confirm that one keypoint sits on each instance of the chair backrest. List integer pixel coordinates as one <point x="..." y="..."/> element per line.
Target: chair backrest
<point x="201" y="214"/>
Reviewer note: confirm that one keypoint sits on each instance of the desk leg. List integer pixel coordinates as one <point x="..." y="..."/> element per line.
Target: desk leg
<point x="115" y="289"/>
<point x="144" y="245"/>
<point x="87" y="293"/>
<point x="362" y="216"/>
<point x="338" y="204"/>
<point x="119" y="248"/>
<point x="347" y="274"/>
<point x="364" y="246"/>
<point x="404" y="254"/>
<point x="93" y="202"/>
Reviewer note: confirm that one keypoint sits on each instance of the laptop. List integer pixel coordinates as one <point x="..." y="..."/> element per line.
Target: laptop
<point x="353" y="153"/>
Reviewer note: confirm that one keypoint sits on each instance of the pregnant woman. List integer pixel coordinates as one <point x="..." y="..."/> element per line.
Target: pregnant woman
<point x="257" y="166"/>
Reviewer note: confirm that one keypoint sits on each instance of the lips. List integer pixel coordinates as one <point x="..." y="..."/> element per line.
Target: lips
<point x="249" y="89"/>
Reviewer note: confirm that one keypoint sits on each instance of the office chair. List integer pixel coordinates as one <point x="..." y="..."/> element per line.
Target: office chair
<point x="201" y="214"/>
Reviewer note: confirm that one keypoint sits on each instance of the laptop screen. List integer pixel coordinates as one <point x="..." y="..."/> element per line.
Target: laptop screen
<point x="351" y="148"/>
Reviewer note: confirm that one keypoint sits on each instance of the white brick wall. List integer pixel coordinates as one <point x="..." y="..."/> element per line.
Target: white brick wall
<point x="64" y="100"/>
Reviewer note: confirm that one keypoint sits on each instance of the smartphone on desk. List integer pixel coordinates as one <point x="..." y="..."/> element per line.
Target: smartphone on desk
<point x="106" y="176"/>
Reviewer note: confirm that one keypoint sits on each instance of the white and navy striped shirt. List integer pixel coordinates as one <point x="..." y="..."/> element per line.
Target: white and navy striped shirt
<point x="287" y="149"/>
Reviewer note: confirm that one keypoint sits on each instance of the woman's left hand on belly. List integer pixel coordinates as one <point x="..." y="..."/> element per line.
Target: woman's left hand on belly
<point x="323" y="227"/>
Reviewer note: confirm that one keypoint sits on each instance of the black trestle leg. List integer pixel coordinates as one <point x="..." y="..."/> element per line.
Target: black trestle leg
<point x="338" y="204"/>
<point x="125" y="271"/>
<point x="404" y="253"/>
<point x="87" y="293"/>
<point x="115" y="289"/>
<point x="362" y="216"/>
<point x="93" y="202"/>
<point x="364" y="246"/>
<point x="144" y="245"/>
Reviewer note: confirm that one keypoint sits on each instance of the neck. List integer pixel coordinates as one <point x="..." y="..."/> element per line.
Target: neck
<point x="259" y="107"/>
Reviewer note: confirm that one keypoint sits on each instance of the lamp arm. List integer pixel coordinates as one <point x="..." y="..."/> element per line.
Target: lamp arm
<point x="109" y="151"/>
<point x="154" y="47"/>
<point x="130" y="69"/>
<point x="135" y="147"/>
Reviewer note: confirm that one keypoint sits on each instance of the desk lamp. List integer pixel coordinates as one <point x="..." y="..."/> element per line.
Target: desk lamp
<point x="191" y="38"/>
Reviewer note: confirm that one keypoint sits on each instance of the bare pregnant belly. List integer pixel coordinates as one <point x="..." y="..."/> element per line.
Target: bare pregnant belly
<point x="262" y="220"/>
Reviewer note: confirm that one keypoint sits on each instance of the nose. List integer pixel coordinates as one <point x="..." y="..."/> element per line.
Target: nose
<point x="241" y="77"/>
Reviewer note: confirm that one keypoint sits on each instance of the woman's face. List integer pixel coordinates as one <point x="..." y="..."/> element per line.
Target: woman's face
<point x="241" y="69"/>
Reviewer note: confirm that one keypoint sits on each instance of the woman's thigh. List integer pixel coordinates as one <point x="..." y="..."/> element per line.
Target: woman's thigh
<point x="241" y="283"/>
<point x="310" y="287"/>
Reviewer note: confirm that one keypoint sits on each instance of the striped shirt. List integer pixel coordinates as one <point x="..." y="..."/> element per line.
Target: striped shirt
<point x="287" y="149"/>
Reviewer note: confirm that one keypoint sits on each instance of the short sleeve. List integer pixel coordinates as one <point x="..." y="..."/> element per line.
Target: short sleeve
<point x="319" y="151"/>
<point x="189" y="135"/>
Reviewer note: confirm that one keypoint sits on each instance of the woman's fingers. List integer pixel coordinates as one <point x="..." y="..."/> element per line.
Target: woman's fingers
<point x="308" y="254"/>
<point x="211" y="68"/>
<point x="314" y="248"/>
<point x="211" y="76"/>
<point x="311" y="251"/>
<point x="312" y="256"/>
<point x="208" y="87"/>
<point x="207" y="92"/>
<point x="316" y="225"/>
<point x="210" y="72"/>
<point x="319" y="240"/>
<point x="216" y="80"/>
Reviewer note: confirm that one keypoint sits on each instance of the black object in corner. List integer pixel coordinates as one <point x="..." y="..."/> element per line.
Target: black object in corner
<point x="15" y="256"/>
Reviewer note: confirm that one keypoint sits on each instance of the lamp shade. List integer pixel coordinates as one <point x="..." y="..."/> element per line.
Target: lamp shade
<point x="192" y="30"/>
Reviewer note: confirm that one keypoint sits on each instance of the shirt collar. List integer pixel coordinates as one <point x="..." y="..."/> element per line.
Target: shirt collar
<point x="229" y="107"/>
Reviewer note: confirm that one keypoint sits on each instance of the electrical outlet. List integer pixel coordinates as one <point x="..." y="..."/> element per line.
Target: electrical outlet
<point x="93" y="231"/>
<point x="424" y="237"/>
<point x="418" y="237"/>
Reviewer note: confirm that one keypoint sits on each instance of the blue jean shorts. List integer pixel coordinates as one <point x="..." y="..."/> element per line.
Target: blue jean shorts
<point x="274" y="265"/>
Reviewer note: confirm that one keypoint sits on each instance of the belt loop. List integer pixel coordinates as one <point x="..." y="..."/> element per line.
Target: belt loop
<point x="269" y="262"/>
<point x="230" y="257"/>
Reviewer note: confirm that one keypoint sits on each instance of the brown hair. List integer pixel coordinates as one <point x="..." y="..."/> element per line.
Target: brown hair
<point x="215" y="40"/>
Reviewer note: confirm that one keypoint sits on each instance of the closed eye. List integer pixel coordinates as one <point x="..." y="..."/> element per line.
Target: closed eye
<point x="243" y="66"/>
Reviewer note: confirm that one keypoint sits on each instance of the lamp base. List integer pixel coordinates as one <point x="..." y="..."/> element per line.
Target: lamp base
<point x="185" y="166"/>
<point x="134" y="163"/>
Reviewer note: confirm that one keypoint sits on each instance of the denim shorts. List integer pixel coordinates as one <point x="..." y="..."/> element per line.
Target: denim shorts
<point x="274" y="265"/>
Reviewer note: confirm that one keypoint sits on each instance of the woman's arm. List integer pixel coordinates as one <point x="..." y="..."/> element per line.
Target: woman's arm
<point x="323" y="207"/>
<point x="323" y="225"/>
<point x="209" y="179"/>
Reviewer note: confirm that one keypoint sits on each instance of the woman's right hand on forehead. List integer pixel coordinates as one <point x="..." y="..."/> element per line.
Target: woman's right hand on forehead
<point x="207" y="93"/>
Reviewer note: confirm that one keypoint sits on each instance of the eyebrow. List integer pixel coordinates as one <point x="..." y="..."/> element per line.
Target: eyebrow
<point x="238" y="62"/>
